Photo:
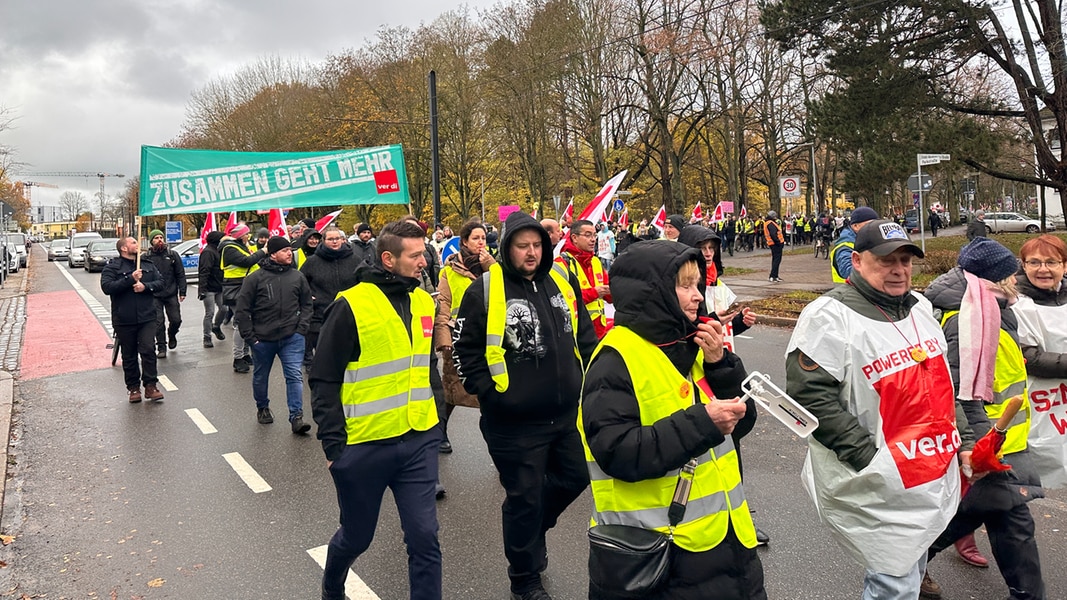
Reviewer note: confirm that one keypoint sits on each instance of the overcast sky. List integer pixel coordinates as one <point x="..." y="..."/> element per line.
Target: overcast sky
<point x="90" y="81"/>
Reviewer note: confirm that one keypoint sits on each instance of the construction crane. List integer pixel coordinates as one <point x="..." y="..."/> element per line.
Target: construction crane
<point x="102" y="177"/>
<point x="26" y="187"/>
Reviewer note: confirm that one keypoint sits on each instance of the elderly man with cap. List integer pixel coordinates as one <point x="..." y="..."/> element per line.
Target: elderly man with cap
<point x="672" y="227"/>
<point x="989" y="376"/>
<point x="273" y="314"/>
<point x="237" y="261"/>
<point x="841" y="254"/>
<point x="168" y="298"/>
<point x="869" y="360"/>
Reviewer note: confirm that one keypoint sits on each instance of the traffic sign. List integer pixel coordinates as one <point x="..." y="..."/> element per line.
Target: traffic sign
<point x="789" y="187"/>
<point x="913" y="183"/>
<point x="933" y="159"/>
<point x="173" y="232"/>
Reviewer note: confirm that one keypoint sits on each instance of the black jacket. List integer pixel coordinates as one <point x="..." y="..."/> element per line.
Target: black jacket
<point x="695" y="235"/>
<point x="127" y="306"/>
<point x="170" y="268"/>
<point x="274" y="303"/>
<point x="365" y="252"/>
<point x="210" y="274"/>
<point x="339" y="344"/>
<point x="976" y="228"/>
<point x="1038" y="362"/>
<point x="328" y="272"/>
<point x="544" y="373"/>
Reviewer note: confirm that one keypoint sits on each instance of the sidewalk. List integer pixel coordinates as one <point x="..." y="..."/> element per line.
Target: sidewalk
<point x="13" y="312"/>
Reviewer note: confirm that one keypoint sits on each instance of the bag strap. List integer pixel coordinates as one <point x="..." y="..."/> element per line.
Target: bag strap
<point x="676" y="511"/>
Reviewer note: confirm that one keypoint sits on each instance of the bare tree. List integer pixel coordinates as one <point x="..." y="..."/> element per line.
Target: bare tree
<point x="72" y="204"/>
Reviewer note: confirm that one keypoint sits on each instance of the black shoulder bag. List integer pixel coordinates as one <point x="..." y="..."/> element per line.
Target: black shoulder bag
<point x="627" y="562"/>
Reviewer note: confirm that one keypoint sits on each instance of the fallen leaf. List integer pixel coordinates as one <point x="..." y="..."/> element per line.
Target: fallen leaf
<point x="158" y="582"/>
<point x="7" y="539"/>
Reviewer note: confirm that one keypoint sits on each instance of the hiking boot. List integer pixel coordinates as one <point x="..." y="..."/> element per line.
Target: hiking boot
<point x="538" y="593"/>
<point x="152" y="392"/>
<point x="239" y="366"/>
<point x="207" y="342"/>
<point x="264" y="416"/>
<point x="161" y="353"/>
<point x="172" y="340"/>
<point x="299" y="426"/>
<point x="135" y="395"/>
<point x="248" y="359"/>
<point x="929" y="589"/>
<point x="218" y="333"/>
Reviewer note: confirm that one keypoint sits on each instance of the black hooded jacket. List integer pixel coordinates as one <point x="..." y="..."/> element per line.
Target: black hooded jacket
<point x="208" y="268"/>
<point x="642" y="284"/>
<point x="339" y="344"/>
<point x="274" y="303"/>
<point x="171" y="271"/>
<point x="328" y="272"/>
<point x="544" y="373"/>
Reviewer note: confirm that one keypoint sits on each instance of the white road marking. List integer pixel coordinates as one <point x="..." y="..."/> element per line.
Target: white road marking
<point x="247" y="474"/>
<point x="355" y="589"/>
<point x="167" y="383"/>
<point x="102" y="313"/>
<point x="200" y="420"/>
<point x="743" y="337"/>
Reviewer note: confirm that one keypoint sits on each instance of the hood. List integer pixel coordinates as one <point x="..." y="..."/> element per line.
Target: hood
<point x="214" y="237"/>
<point x="302" y="241"/>
<point x="269" y="265"/>
<point x="642" y="286"/>
<point x="694" y="235"/>
<point x="326" y="253"/>
<point x="946" y="292"/>
<point x="1040" y="296"/>
<point x="517" y="221"/>
<point x="387" y="280"/>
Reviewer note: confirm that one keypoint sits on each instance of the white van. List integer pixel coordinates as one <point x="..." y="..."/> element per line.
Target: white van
<point x="77" y="248"/>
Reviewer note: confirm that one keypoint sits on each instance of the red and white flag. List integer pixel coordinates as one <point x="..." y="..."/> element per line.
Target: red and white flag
<point x="698" y="214"/>
<point x="568" y="213"/>
<point x="661" y="218"/>
<point x="594" y="213"/>
<point x="744" y="212"/>
<point x="624" y="218"/>
<point x="324" y="222"/>
<point x="718" y="216"/>
<point x="533" y="213"/>
<point x="209" y="226"/>
<point x="276" y="223"/>
<point x="231" y="223"/>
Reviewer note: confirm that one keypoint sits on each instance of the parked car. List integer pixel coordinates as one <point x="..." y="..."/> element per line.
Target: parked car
<point x="911" y="221"/>
<point x="76" y="258"/>
<point x="189" y="250"/>
<point x="18" y="240"/>
<point x="13" y="257"/>
<point x="1011" y="222"/>
<point x="98" y="252"/>
<point x="58" y="248"/>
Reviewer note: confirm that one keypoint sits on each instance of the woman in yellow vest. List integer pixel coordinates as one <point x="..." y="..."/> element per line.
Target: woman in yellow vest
<point x="649" y="406"/>
<point x="459" y="271"/>
<point x="988" y="370"/>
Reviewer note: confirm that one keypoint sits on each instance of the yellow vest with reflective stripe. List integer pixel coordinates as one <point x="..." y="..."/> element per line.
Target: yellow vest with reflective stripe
<point x="716" y="499"/>
<point x="496" y="315"/>
<point x="1009" y="380"/>
<point x="232" y="272"/>
<point x="457" y="284"/>
<point x="299" y="258"/>
<point x="833" y="260"/>
<point x="596" y="307"/>
<point x="386" y="392"/>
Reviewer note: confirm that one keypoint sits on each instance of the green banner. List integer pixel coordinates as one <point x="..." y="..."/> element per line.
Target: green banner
<point x="175" y="181"/>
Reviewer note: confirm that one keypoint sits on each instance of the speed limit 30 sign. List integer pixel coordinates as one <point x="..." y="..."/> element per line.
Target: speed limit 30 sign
<point x="789" y="187"/>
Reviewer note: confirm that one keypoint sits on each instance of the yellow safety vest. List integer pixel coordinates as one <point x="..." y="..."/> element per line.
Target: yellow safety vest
<point x="232" y="271"/>
<point x="596" y="307"/>
<point x="458" y="284"/>
<point x="496" y="314"/>
<point x="1009" y="380"/>
<point x="299" y="258"/>
<point x="833" y="260"/>
<point x="716" y="499"/>
<point x="386" y="392"/>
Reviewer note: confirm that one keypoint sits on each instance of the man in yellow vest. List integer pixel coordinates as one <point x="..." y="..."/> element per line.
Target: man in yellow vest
<point x="841" y="254"/>
<point x="520" y="342"/>
<point x="236" y="261"/>
<point x="372" y="401"/>
<point x="578" y="258"/>
<point x="772" y="235"/>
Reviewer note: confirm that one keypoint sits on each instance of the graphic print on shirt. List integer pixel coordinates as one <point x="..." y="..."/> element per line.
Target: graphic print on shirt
<point x="560" y="304"/>
<point x="522" y="331"/>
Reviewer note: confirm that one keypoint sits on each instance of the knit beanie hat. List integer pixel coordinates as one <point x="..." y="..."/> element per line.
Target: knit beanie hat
<point x="308" y="222"/>
<point x="154" y="233"/>
<point x="363" y="227"/>
<point x="238" y="231"/>
<point x="262" y="232"/>
<point x="677" y="221"/>
<point x="277" y="243"/>
<point x="988" y="259"/>
<point x="862" y="215"/>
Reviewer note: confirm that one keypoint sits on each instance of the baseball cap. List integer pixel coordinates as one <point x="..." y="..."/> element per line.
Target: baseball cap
<point x="881" y="237"/>
<point x="678" y="221"/>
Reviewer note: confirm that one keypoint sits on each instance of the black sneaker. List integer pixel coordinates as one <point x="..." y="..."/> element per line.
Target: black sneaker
<point x="240" y="366"/>
<point x="264" y="416"/>
<point x="538" y="593"/>
<point x="207" y="342"/>
<point x="172" y="340"/>
<point x="161" y="353"/>
<point x="247" y="358"/>
<point x="445" y="447"/>
<point x="439" y="491"/>
<point x="218" y="333"/>
<point x="762" y="539"/>
<point x="299" y="426"/>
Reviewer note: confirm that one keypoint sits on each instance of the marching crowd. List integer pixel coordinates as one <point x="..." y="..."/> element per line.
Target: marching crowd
<point x="926" y="427"/>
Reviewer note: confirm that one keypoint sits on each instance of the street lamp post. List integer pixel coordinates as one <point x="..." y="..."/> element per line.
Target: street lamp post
<point x="925" y="159"/>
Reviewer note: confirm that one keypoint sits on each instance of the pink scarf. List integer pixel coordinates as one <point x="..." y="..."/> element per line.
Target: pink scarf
<point x="979" y="325"/>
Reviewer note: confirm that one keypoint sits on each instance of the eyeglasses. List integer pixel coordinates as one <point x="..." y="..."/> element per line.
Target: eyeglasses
<point x="588" y="234"/>
<point x="1048" y="264"/>
<point x="335" y="239"/>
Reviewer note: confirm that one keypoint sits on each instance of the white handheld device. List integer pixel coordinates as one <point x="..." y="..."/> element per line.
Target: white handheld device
<point x="774" y="400"/>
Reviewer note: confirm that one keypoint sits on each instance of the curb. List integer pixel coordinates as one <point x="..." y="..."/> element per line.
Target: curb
<point x="7" y="396"/>
<point x="776" y="321"/>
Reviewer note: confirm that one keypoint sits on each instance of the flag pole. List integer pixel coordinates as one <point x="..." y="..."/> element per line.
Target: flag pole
<point x="139" y="242"/>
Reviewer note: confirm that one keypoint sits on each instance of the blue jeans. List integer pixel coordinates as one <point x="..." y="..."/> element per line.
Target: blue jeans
<point x="290" y="351"/>
<point x="881" y="586"/>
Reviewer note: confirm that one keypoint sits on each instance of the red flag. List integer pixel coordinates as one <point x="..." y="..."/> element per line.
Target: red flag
<point x="661" y="218"/>
<point x="594" y="213"/>
<point x="324" y="222"/>
<point x="699" y="214"/>
<point x="533" y="213"/>
<point x="744" y="212"/>
<point x="209" y="226"/>
<point x="231" y="223"/>
<point x="624" y="218"/>
<point x="718" y="215"/>
<point x="568" y="213"/>
<point x="276" y="223"/>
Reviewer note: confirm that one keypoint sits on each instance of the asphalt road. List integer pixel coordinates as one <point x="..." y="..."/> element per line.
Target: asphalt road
<point x="112" y="500"/>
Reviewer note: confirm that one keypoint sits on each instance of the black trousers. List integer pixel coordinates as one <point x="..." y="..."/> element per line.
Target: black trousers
<point x="776" y="260"/>
<point x="167" y="310"/>
<point x="1011" y="535"/>
<point x="134" y="340"/>
<point x="542" y="468"/>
